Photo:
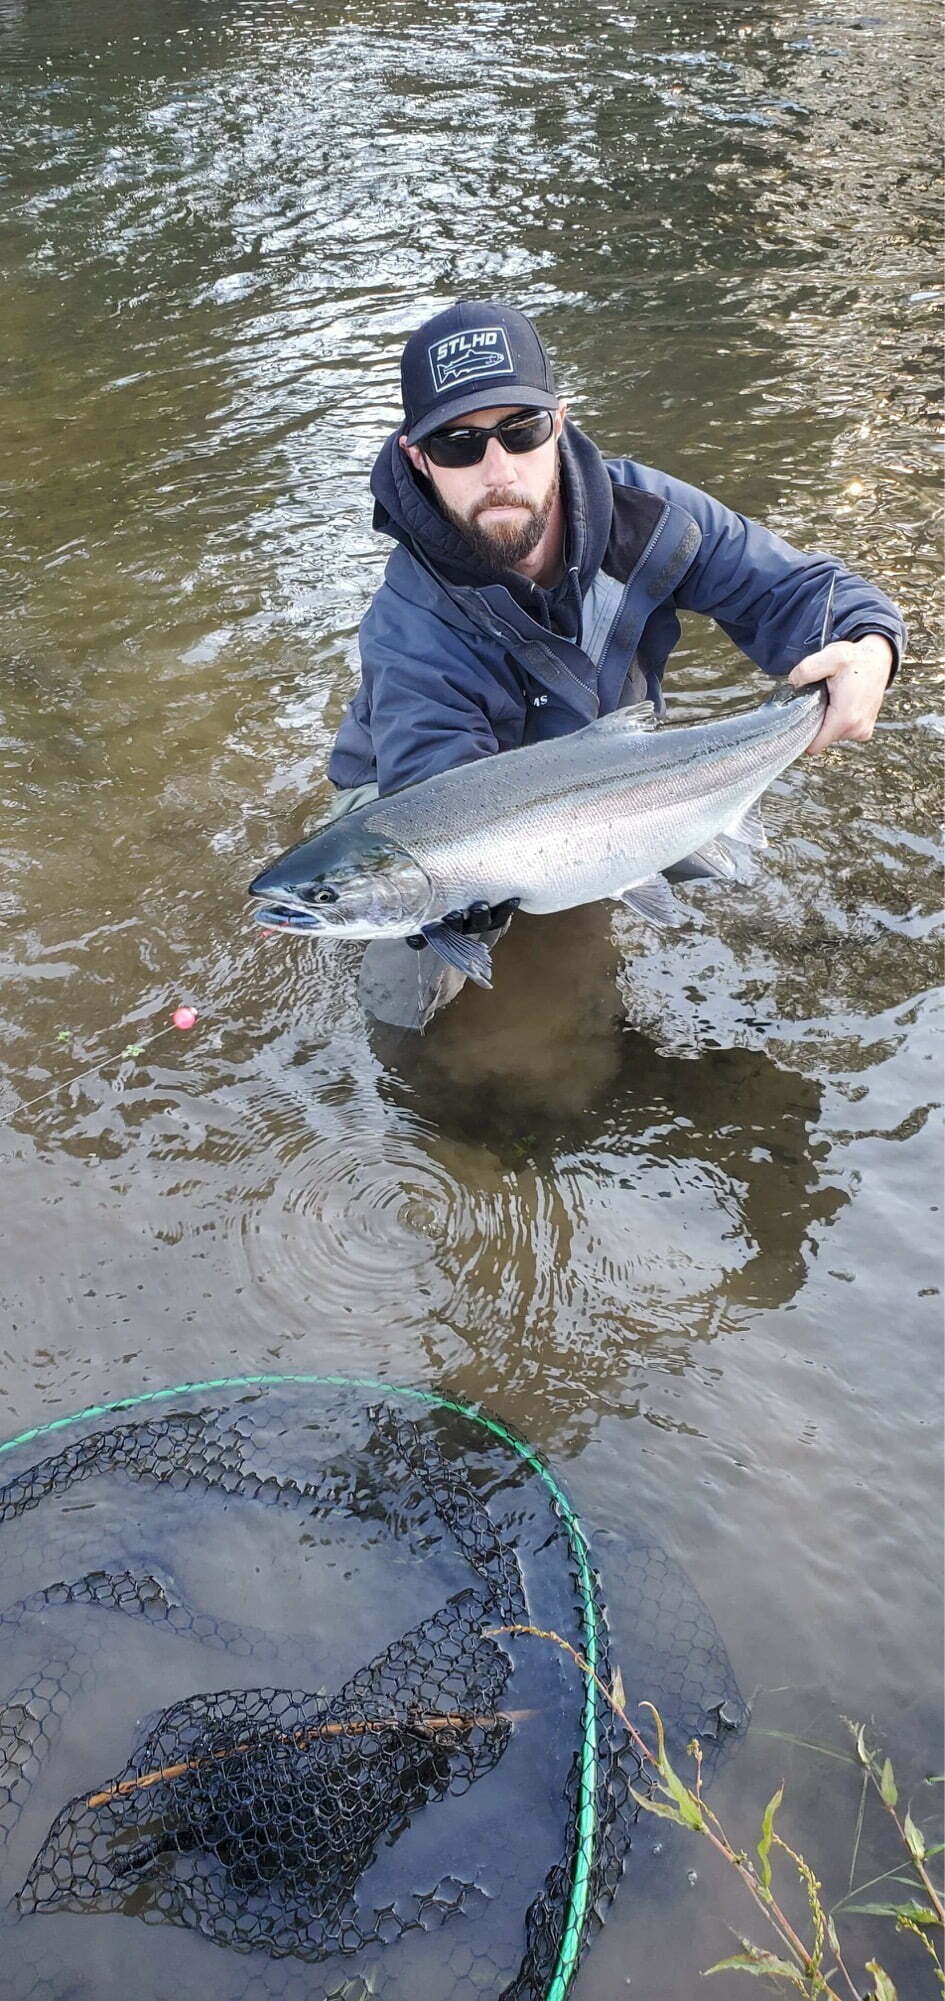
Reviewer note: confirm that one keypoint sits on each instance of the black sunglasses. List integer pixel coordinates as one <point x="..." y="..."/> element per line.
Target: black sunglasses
<point x="466" y="445"/>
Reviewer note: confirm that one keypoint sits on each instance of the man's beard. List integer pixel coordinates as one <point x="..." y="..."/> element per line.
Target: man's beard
<point x="506" y="543"/>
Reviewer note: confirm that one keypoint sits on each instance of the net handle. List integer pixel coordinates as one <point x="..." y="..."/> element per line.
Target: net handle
<point x="576" y="1914"/>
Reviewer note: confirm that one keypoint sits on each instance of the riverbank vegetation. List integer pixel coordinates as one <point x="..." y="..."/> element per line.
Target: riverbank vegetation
<point x="805" y="1957"/>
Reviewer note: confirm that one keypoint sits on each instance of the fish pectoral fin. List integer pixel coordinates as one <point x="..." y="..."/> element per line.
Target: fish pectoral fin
<point x="747" y="830"/>
<point x="462" y="949"/>
<point x="654" y="901"/>
<point x="635" y="717"/>
<point x="715" y="861"/>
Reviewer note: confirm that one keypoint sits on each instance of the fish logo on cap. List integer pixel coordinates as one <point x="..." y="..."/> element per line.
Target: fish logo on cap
<point x="465" y="356"/>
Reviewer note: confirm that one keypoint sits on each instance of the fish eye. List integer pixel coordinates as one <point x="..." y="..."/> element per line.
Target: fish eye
<point x="319" y="895"/>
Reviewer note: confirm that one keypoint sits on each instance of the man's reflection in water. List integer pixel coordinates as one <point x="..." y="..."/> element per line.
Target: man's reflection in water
<point x="546" y="1064"/>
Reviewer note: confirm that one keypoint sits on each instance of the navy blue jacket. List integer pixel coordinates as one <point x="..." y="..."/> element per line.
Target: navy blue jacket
<point x="459" y="663"/>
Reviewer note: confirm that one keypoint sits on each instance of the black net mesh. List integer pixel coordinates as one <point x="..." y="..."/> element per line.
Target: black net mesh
<point x="449" y="1819"/>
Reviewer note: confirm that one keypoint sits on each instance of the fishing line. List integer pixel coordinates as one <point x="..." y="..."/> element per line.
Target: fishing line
<point x="131" y="1051"/>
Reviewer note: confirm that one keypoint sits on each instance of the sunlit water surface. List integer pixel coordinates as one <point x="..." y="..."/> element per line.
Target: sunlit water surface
<point x="671" y="1207"/>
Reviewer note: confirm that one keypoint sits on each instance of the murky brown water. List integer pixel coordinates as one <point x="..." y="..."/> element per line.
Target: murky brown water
<point x="672" y="1209"/>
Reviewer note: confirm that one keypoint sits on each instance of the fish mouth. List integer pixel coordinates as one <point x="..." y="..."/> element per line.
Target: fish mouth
<point x="286" y="913"/>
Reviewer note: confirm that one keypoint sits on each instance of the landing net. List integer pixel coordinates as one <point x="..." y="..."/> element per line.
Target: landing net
<point x="254" y="1695"/>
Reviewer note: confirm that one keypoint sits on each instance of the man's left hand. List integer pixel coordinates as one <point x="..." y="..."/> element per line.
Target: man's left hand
<point x="857" y="675"/>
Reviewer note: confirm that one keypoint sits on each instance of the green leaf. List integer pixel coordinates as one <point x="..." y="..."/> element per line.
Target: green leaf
<point x="762" y="1964"/>
<point x="917" y="1914"/>
<point x="690" y="1812"/>
<point x="767" y="1830"/>
<point x="872" y="1910"/>
<point x="660" y="1735"/>
<point x="937" y="1848"/>
<point x="915" y="1839"/>
<point x="883" y="1988"/>
<point x="662" y="1811"/>
<point x="887" y="1785"/>
<point x="859" y="1738"/>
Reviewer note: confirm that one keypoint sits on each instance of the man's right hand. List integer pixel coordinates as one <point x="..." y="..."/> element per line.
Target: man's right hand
<point x="857" y="673"/>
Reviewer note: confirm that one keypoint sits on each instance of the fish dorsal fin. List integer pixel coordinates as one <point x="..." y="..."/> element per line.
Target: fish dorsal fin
<point x="637" y="716"/>
<point x="747" y="828"/>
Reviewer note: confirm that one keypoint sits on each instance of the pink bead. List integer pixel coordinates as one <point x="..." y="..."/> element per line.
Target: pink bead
<point x="184" y="1017"/>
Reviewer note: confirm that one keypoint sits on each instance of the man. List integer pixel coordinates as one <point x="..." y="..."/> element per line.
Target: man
<point x="536" y="585"/>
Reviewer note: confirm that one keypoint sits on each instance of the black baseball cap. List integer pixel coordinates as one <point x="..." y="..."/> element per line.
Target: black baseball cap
<point x="476" y="355"/>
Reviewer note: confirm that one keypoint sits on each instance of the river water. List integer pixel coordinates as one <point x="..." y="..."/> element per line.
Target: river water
<point x="672" y="1208"/>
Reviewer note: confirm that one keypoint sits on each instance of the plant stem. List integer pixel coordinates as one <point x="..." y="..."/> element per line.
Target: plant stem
<point x="769" y="1908"/>
<point x="916" y="1862"/>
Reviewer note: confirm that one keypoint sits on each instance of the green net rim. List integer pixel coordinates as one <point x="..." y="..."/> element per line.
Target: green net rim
<point x="586" y="1828"/>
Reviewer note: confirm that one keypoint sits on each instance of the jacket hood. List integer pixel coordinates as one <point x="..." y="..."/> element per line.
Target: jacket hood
<point x="406" y="508"/>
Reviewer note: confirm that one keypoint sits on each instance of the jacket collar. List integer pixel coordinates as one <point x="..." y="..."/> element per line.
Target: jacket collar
<point x="406" y="509"/>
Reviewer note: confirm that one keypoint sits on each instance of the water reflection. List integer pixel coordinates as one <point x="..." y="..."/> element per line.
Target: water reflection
<point x="551" y="1068"/>
<point x="550" y="1184"/>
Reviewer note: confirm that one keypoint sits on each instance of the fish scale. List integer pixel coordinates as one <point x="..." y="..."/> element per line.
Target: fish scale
<point x="585" y="816"/>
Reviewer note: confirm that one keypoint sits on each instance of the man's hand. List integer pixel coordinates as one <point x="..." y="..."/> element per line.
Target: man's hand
<point x="479" y="916"/>
<point x="857" y="675"/>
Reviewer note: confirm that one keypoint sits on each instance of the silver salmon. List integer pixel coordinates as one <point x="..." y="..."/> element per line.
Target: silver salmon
<point x="618" y="809"/>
